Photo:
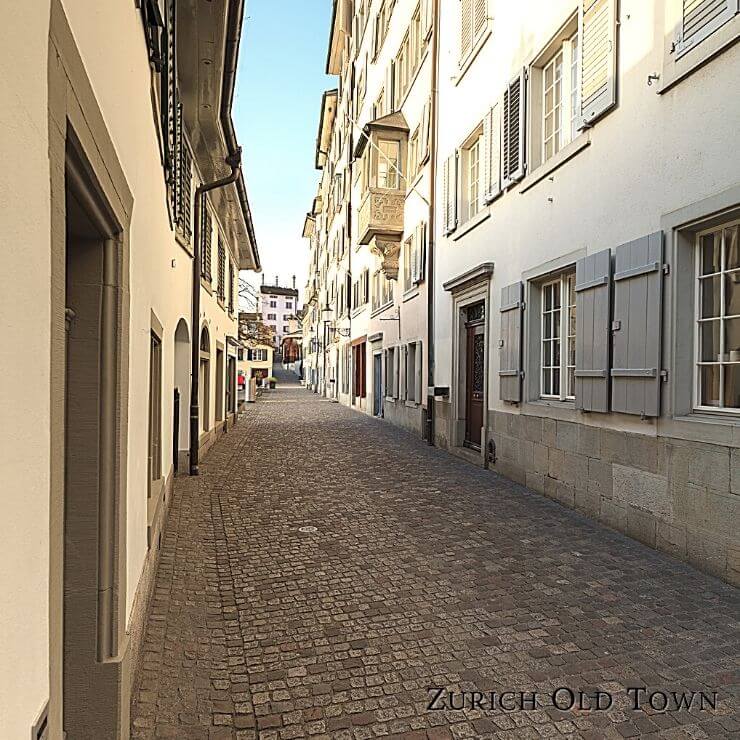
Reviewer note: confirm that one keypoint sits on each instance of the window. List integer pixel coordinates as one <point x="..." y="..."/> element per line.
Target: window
<point x="473" y="23"/>
<point x="286" y="329"/>
<point x="472" y="157"/>
<point x="221" y="290"/>
<point x="414" y="257"/>
<point x="205" y="256"/>
<point x="700" y="19"/>
<point x="558" y="332"/>
<point x="288" y="304"/>
<point x="411" y="373"/>
<point x="388" y="164"/>
<point x="382" y="290"/>
<point x="560" y="98"/>
<point x="273" y="304"/>
<point x="718" y="318"/>
<point x="391" y="372"/>
<point x="414" y="158"/>
<point x="271" y="316"/>
<point x="155" y="408"/>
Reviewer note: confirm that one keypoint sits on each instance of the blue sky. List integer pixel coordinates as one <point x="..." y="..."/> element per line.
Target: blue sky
<point x="276" y="113"/>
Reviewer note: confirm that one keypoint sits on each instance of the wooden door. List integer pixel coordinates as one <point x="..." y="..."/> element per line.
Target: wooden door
<point x="474" y="383"/>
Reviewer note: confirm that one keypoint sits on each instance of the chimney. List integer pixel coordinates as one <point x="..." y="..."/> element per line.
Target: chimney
<point x="277" y="280"/>
<point x="263" y="278"/>
<point x="293" y="282"/>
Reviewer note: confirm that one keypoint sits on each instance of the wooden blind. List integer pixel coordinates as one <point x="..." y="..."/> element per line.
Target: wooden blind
<point x="513" y="131"/>
<point x="205" y="257"/>
<point x="701" y="18"/>
<point x="221" y="269"/>
<point x="510" y="343"/>
<point x="492" y="154"/>
<point x="598" y="23"/>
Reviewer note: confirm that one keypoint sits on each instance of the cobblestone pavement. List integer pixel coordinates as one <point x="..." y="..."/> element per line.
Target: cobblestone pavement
<point x="423" y="572"/>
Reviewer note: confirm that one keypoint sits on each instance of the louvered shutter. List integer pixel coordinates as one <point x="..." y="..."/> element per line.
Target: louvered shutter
<point x="449" y="187"/>
<point x="593" y="310"/>
<point x="396" y="371"/>
<point x="422" y="252"/>
<point x="480" y="16"/>
<point x="221" y="269"/>
<point x="425" y="130"/>
<point x="170" y="104"/>
<point x="510" y="343"/>
<point x="428" y="16"/>
<point x="636" y="330"/>
<point x="492" y="154"/>
<point x="206" y="245"/>
<point x="701" y="18"/>
<point x="513" y="131"/>
<point x="598" y="34"/>
<point x="183" y="180"/>
<point x="402" y="371"/>
<point x="388" y="93"/>
<point x="231" y="287"/>
<point x="466" y="28"/>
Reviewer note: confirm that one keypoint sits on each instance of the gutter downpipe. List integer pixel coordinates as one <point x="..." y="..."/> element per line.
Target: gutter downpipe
<point x="432" y="223"/>
<point x="234" y="160"/>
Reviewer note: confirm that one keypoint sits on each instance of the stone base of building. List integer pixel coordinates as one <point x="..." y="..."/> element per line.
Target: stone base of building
<point x="678" y="496"/>
<point x="401" y="414"/>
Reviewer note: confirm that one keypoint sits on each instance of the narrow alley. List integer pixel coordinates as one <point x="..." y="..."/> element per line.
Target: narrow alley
<point x="326" y="570"/>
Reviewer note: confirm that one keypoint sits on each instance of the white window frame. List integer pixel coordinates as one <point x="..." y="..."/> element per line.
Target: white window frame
<point x="473" y="145"/>
<point x="564" y="338"/>
<point x="698" y="321"/>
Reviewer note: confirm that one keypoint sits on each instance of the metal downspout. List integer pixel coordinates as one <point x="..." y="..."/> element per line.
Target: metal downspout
<point x="234" y="161"/>
<point x="432" y="224"/>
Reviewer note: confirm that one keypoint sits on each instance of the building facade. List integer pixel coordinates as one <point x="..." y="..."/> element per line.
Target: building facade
<point x="579" y="253"/>
<point x="587" y="231"/>
<point x="368" y="227"/>
<point x="110" y="123"/>
<point x="277" y="305"/>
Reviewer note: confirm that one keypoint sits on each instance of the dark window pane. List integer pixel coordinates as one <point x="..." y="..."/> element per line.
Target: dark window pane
<point x="709" y="337"/>
<point x="732" y="386"/>
<point x="732" y="340"/>
<point x="710" y="297"/>
<point x="709" y="380"/>
<point x="732" y="294"/>
<point x="732" y="248"/>
<point x="710" y="254"/>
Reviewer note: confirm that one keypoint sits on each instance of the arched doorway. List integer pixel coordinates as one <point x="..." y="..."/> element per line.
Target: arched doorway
<point x="180" y="430"/>
<point x="204" y="379"/>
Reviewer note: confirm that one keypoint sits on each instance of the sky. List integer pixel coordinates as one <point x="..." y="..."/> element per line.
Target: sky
<point x="280" y="80"/>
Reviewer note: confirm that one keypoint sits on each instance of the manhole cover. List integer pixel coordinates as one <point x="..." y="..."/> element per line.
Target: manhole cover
<point x="307" y="530"/>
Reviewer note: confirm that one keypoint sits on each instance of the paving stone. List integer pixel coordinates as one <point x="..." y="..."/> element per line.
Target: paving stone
<point x="423" y="571"/>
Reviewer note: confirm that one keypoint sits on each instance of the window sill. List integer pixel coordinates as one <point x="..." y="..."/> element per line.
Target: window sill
<point x="675" y="70"/>
<point x="411" y="404"/>
<point x="184" y="241"/>
<point x="412" y="292"/>
<point x="381" y="309"/>
<point x="390" y="399"/>
<point x="547" y="168"/>
<point x="356" y="312"/>
<point x="206" y="285"/>
<point x="470" y="224"/>
<point x="466" y="63"/>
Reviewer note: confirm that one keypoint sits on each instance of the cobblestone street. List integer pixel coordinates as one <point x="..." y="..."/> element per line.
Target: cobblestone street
<point x="423" y="571"/>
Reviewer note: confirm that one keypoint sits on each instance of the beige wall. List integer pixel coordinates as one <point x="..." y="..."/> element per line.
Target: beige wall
<point x="24" y="387"/>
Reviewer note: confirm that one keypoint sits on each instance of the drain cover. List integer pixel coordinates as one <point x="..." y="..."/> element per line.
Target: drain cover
<point x="307" y="530"/>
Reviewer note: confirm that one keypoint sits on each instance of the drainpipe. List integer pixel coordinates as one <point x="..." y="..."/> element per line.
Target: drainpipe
<point x="433" y="114"/>
<point x="234" y="160"/>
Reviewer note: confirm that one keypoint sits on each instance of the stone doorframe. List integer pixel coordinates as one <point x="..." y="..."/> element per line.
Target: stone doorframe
<point x="76" y="124"/>
<point x="472" y="286"/>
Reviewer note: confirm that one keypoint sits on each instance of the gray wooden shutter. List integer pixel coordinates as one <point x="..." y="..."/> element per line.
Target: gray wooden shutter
<point x="636" y="329"/>
<point x="510" y="343"/>
<point x="593" y="310"/>
<point x="700" y="19"/>
<point x="598" y="42"/>
<point x="418" y="366"/>
<point x="466" y="28"/>
<point x="513" y="132"/>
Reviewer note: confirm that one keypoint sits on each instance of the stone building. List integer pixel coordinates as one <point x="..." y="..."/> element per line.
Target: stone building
<point x="278" y="304"/>
<point x="584" y="340"/>
<point x="369" y="222"/>
<point x="568" y="318"/>
<point x="111" y="121"/>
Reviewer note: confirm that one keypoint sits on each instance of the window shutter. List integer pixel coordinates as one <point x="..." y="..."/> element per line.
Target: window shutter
<point x="480" y="16"/>
<point x="466" y="28"/>
<point x="427" y="16"/>
<point x="598" y="34"/>
<point x="221" y="269"/>
<point x="206" y="245"/>
<point x="422" y="251"/>
<point x="396" y="371"/>
<point x="593" y="305"/>
<point x="636" y="330"/>
<point x="510" y="343"/>
<point x="169" y="104"/>
<point x="492" y="154"/>
<point x="402" y="370"/>
<point x="701" y="18"/>
<point x="418" y="363"/>
<point x="450" y="193"/>
<point x="183" y="180"/>
<point x="513" y="131"/>
<point x="425" y="130"/>
<point x="231" y="287"/>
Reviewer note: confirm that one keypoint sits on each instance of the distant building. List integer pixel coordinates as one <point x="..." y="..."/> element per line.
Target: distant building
<point x="278" y="304"/>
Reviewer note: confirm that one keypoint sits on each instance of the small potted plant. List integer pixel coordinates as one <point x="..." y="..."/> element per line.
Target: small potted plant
<point x="271" y="382"/>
